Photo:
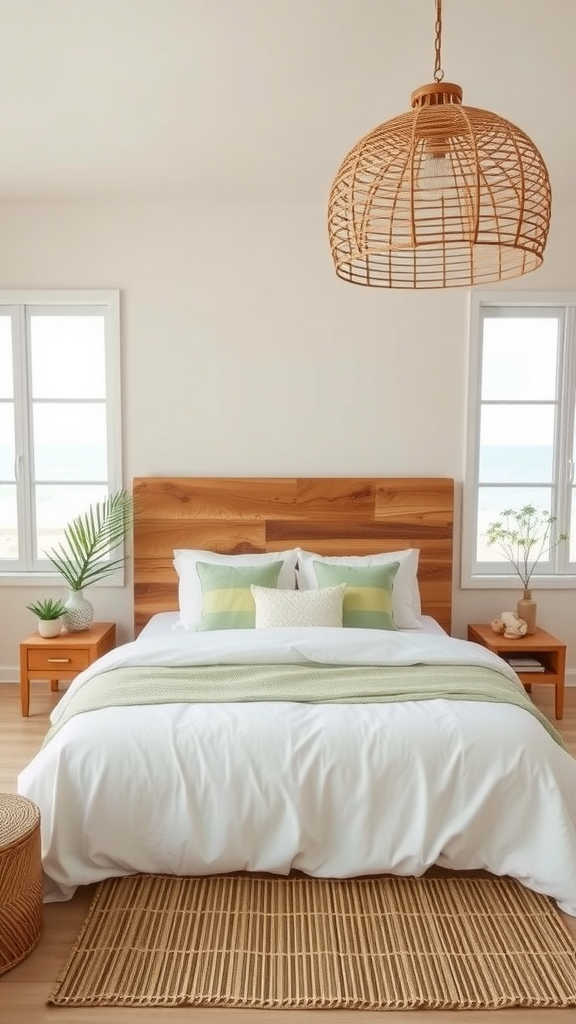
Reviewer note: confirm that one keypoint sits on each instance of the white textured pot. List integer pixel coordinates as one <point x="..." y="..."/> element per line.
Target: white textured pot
<point x="79" y="612"/>
<point x="49" y="627"/>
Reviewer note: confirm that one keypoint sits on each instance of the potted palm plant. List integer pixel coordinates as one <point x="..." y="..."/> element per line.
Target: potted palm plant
<point x="49" y="613"/>
<point x="84" y="556"/>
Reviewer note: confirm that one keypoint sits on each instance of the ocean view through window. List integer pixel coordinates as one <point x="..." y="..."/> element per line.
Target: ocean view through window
<point x="59" y="418"/>
<point x="521" y="417"/>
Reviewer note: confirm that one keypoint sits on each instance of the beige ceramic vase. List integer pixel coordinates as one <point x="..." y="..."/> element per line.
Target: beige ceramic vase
<point x="526" y="609"/>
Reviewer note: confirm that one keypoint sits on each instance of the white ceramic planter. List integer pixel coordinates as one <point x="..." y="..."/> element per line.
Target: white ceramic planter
<point x="79" y="612"/>
<point x="49" y="627"/>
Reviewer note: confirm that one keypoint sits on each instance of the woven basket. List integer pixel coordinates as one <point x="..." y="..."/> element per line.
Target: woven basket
<point x="20" y="879"/>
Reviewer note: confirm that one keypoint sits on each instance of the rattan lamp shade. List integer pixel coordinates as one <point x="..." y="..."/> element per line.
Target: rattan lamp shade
<point x="442" y="196"/>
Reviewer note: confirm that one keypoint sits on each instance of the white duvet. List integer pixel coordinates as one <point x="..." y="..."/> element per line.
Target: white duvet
<point x="333" y="790"/>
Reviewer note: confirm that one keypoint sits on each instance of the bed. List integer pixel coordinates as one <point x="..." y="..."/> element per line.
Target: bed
<point x="293" y="701"/>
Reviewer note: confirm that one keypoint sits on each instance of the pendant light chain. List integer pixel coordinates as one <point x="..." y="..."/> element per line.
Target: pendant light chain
<point x="438" y="72"/>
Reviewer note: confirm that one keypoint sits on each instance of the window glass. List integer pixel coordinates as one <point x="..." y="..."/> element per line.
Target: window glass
<point x="55" y="506"/>
<point x="8" y="522"/>
<point x="519" y="358"/>
<point x="6" y="371"/>
<point x="492" y="502"/>
<point x="516" y="443"/>
<point x="68" y="356"/>
<point x="7" y="449"/>
<point x="70" y="441"/>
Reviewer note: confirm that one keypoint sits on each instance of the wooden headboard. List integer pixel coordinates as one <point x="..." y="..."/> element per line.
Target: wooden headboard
<point x="331" y="516"/>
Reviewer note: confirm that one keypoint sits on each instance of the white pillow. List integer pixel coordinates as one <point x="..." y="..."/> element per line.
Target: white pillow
<point x="298" y="607"/>
<point x="190" y="596"/>
<point x="406" y="606"/>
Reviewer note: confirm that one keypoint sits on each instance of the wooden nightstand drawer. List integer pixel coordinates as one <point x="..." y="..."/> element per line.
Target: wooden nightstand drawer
<point x="63" y="659"/>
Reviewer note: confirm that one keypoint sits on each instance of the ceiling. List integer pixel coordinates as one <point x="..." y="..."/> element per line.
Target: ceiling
<point x="257" y="99"/>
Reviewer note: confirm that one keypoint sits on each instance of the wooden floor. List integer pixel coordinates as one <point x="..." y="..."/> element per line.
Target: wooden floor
<point x="24" y="989"/>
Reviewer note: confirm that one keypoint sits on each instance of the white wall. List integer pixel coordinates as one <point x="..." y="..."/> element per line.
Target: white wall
<point x="243" y="354"/>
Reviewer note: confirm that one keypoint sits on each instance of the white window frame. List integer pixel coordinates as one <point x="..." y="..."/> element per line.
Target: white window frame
<point x="108" y="303"/>
<point x="499" y="575"/>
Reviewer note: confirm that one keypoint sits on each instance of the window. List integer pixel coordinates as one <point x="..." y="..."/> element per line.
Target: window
<point x="521" y="439"/>
<point x="59" y="418"/>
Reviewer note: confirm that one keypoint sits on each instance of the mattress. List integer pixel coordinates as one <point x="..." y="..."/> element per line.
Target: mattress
<point x="164" y="622"/>
<point x="336" y="752"/>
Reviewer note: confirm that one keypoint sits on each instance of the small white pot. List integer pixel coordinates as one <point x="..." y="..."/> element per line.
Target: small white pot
<point x="49" y="627"/>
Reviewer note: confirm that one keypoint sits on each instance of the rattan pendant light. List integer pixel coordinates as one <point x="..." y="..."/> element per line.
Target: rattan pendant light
<point x="440" y="197"/>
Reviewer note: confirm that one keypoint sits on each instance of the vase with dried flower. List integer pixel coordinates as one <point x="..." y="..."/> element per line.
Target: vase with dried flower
<point x="524" y="536"/>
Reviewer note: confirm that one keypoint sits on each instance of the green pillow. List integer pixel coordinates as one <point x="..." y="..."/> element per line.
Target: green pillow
<point x="227" y="601"/>
<point x="368" y="596"/>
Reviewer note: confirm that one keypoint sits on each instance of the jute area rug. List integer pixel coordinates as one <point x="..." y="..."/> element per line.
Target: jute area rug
<point x="372" y="943"/>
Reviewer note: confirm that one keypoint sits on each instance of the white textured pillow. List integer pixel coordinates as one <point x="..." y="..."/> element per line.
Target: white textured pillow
<point x="298" y="607"/>
<point x="190" y="597"/>
<point x="406" y="607"/>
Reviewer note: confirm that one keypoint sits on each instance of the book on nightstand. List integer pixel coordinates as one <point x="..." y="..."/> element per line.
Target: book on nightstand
<point x="525" y="664"/>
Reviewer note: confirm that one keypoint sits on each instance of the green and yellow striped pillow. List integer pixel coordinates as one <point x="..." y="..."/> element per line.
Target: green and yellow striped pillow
<point x="227" y="601"/>
<point x="368" y="596"/>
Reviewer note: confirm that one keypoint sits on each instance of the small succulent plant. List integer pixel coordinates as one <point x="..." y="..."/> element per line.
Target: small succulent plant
<point x="47" y="608"/>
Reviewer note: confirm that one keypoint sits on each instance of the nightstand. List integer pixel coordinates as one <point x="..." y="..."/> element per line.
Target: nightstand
<point x="61" y="657"/>
<point x="541" y="645"/>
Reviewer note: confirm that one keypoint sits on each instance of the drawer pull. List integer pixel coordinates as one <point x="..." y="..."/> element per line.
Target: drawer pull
<point x="58" y="661"/>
